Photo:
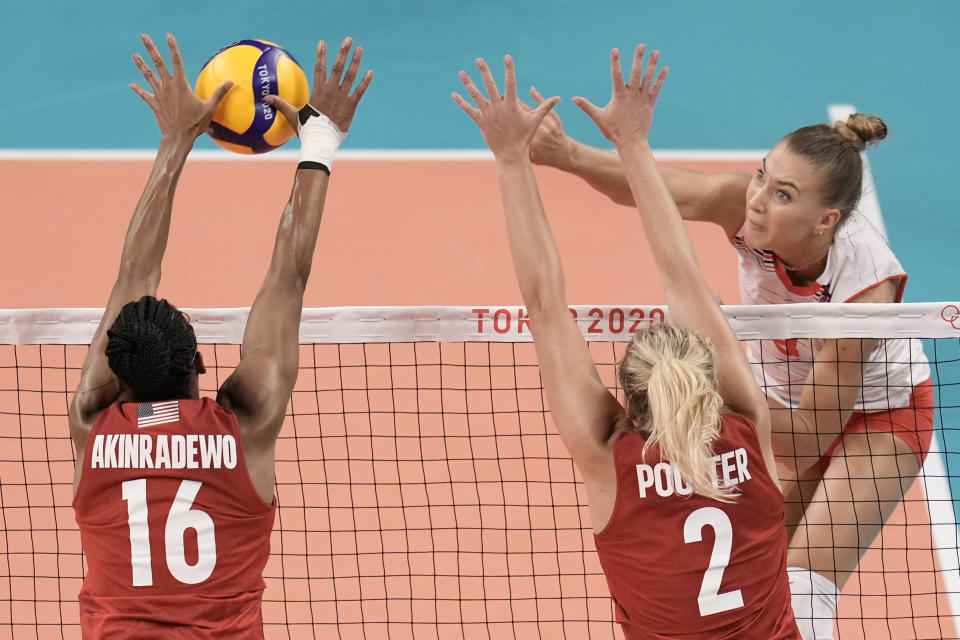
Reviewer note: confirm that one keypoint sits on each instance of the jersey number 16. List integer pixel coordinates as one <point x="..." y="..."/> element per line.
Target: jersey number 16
<point x="180" y="518"/>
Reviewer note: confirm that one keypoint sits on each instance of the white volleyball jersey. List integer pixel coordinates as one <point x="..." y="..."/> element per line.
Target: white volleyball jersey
<point x="859" y="260"/>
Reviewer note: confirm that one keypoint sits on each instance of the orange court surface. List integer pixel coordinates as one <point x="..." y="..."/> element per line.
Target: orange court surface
<point x="415" y="231"/>
<point x="394" y="233"/>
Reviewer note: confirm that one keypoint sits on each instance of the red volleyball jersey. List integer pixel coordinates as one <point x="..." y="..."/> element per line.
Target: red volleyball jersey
<point x="683" y="566"/>
<point x="175" y="534"/>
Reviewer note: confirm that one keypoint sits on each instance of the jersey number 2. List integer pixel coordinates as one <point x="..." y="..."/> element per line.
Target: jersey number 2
<point x="180" y="518"/>
<point x="711" y="600"/>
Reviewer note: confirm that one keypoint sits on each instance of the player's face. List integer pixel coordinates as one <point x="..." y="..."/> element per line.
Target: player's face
<point x="784" y="210"/>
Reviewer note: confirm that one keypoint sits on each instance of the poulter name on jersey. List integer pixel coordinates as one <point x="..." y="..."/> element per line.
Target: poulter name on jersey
<point x="163" y="451"/>
<point x="730" y="468"/>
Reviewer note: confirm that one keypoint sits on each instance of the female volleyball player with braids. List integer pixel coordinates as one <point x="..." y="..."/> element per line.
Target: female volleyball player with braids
<point x="852" y="418"/>
<point x="173" y="493"/>
<point x="686" y="470"/>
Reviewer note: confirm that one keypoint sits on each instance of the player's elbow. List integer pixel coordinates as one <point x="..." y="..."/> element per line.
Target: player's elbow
<point x="83" y="407"/>
<point x="547" y="309"/>
<point x="301" y="275"/>
<point x="135" y="271"/>
<point x="291" y="281"/>
<point x="544" y="295"/>
<point x="683" y="282"/>
<point x="622" y="197"/>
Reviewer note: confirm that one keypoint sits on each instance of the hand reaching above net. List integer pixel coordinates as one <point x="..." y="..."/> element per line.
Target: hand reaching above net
<point x="507" y="126"/>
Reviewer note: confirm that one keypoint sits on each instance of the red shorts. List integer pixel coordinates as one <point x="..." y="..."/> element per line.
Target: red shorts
<point x="912" y="424"/>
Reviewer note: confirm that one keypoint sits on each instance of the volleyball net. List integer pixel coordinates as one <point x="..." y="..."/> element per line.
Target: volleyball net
<point x="423" y="491"/>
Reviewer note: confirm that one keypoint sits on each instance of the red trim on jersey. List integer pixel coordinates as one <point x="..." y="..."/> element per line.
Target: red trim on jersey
<point x="736" y="233"/>
<point x="616" y="496"/>
<point x="808" y="290"/>
<point x="898" y="297"/>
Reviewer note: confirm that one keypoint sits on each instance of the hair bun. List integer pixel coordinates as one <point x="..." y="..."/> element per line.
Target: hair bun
<point x="861" y="129"/>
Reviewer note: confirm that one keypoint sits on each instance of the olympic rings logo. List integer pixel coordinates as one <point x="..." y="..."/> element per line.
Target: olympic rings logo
<point x="951" y="314"/>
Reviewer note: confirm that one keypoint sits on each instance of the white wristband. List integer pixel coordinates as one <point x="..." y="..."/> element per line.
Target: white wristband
<point x="319" y="139"/>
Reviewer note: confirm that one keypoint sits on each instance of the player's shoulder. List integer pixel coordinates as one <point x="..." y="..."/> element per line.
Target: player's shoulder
<point x="861" y="258"/>
<point x="207" y="408"/>
<point x="860" y="238"/>
<point x="210" y="404"/>
<point x="735" y="421"/>
<point x="113" y="412"/>
<point x="738" y="429"/>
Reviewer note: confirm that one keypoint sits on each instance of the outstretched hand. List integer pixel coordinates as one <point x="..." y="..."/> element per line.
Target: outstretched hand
<point x="507" y="124"/>
<point x="177" y="108"/>
<point x="331" y="94"/>
<point x="550" y="145"/>
<point x="627" y="117"/>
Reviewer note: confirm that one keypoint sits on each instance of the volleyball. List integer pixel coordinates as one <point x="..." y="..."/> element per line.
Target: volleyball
<point x="244" y="122"/>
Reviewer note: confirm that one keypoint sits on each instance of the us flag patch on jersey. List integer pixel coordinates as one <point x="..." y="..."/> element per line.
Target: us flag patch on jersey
<point x="154" y="413"/>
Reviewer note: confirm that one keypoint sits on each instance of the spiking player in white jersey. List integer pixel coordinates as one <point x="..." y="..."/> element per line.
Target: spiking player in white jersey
<point x="799" y="238"/>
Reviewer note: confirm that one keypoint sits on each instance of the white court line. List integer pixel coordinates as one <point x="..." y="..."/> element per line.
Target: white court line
<point x="943" y="524"/>
<point x="291" y="155"/>
<point x="936" y="487"/>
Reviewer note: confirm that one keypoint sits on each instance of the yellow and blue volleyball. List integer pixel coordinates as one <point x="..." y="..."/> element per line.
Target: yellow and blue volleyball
<point x="244" y="122"/>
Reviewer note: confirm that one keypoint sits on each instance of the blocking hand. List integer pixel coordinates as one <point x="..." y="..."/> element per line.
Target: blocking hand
<point x="628" y="115"/>
<point x="507" y="126"/>
<point x="331" y="94"/>
<point x="176" y="106"/>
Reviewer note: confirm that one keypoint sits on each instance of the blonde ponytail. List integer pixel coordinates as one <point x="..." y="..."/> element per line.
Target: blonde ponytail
<point x="668" y="376"/>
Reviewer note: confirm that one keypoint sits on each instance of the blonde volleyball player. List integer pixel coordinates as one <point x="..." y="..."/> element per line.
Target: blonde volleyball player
<point x="686" y="469"/>
<point x="174" y="494"/>
<point x="794" y="225"/>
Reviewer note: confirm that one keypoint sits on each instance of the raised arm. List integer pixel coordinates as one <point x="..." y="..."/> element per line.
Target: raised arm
<point x="710" y="197"/>
<point x="802" y="435"/>
<point x="625" y="121"/>
<point x="584" y="412"/>
<point x="182" y="117"/>
<point x="260" y="387"/>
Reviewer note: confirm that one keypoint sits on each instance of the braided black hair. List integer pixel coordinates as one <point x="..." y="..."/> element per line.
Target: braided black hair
<point x="151" y="347"/>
